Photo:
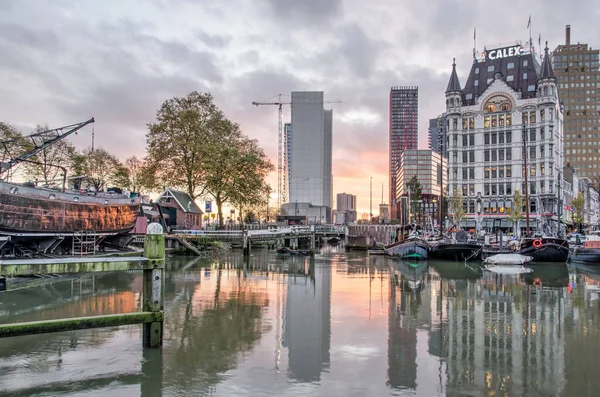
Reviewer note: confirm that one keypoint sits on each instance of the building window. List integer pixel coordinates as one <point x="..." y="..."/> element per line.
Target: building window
<point x="508" y="136"/>
<point x="501" y="190"/>
<point x="472" y="156"/>
<point x="542" y="169"/>
<point x="476" y="83"/>
<point x="524" y="76"/>
<point x="486" y="189"/>
<point x="508" y="120"/>
<point x="525" y="62"/>
<point x="493" y="138"/>
<point x="490" y="68"/>
<point x="464" y="139"/>
<point x="471" y="173"/>
<point x="510" y="78"/>
<point x="501" y="137"/>
<point x="486" y="138"/>
<point x="471" y="190"/>
<point x="532" y="171"/>
<point x="486" y="172"/>
<point x="486" y="122"/>
<point x="511" y="65"/>
<point x="501" y="154"/>
<point x="531" y="88"/>
<point x="494" y="173"/>
<point x="542" y="151"/>
<point x="494" y="155"/>
<point x="472" y="139"/>
<point x="532" y="135"/>
<point x="508" y="189"/>
<point x="464" y="173"/>
<point x="476" y="70"/>
<point x="508" y="154"/>
<point x="469" y="96"/>
<point x="471" y="123"/>
<point x="486" y="155"/>
<point x="532" y="152"/>
<point x="464" y="157"/>
<point x="501" y="172"/>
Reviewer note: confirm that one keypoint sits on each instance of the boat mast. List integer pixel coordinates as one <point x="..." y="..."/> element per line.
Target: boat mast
<point x="526" y="180"/>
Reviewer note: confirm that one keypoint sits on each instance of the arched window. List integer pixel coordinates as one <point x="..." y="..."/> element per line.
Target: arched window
<point x="546" y="90"/>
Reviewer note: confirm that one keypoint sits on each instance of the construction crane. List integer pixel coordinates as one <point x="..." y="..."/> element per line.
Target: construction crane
<point x="282" y="150"/>
<point x="40" y="141"/>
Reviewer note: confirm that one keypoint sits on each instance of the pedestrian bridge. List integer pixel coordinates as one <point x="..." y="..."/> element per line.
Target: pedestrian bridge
<point x="264" y="234"/>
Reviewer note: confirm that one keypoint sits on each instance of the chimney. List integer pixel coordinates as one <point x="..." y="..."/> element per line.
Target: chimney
<point x="568" y="35"/>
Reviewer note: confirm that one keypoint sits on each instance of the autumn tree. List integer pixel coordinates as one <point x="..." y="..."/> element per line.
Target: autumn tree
<point x="99" y="169"/>
<point x="415" y="193"/>
<point x="50" y="165"/>
<point x="578" y="204"/>
<point x="236" y="169"/>
<point x="515" y="213"/>
<point x="180" y="141"/>
<point x="456" y="207"/>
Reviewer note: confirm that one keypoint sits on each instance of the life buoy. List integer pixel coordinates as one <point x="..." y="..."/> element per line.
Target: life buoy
<point x="537" y="243"/>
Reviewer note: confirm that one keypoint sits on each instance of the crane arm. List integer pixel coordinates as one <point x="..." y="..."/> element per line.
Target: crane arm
<point x="48" y="138"/>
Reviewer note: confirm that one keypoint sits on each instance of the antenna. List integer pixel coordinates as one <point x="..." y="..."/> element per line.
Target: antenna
<point x="93" y="130"/>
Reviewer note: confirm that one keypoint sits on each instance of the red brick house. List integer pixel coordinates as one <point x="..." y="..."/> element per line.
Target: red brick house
<point x="180" y="210"/>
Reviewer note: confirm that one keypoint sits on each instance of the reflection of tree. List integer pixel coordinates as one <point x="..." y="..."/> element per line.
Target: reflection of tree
<point x="210" y="343"/>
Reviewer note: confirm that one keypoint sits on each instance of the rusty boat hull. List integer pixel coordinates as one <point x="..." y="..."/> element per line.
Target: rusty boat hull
<point x="29" y="211"/>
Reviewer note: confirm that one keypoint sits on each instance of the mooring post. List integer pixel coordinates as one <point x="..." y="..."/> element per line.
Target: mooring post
<point x="154" y="250"/>
<point x="312" y="240"/>
<point x="246" y="245"/>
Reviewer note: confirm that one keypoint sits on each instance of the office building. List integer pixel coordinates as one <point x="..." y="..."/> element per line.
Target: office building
<point x="345" y="208"/>
<point x="508" y="107"/>
<point x="431" y="170"/>
<point x="310" y="155"/>
<point x="437" y="140"/>
<point x="404" y="114"/>
<point x="576" y="69"/>
<point x="287" y="132"/>
<point x="384" y="213"/>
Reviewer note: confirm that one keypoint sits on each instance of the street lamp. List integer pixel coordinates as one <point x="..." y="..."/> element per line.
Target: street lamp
<point x="371" y="201"/>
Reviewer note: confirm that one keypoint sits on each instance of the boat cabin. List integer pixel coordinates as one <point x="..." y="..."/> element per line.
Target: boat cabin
<point x="181" y="210"/>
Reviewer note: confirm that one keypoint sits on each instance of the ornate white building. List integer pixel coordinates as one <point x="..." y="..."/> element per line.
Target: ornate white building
<point x="508" y="108"/>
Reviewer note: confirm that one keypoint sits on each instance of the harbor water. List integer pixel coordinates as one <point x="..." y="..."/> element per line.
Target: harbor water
<point x="339" y="324"/>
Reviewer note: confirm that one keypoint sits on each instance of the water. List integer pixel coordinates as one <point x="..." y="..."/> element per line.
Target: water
<point x="339" y="324"/>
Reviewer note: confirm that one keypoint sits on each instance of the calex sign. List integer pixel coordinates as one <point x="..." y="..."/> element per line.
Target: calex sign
<point x="505" y="52"/>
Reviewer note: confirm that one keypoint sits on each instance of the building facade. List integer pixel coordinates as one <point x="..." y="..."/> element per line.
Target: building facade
<point x="437" y="139"/>
<point x="431" y="170"/>
<point x="576" y="69"/>
<point x="287" y="131"/>
<point x="346" y="208"/>
<point x="311" y="180"/>
<point x="404" y="114"/>
<point x="505" y="133"/>
<point x="384" y="213"/>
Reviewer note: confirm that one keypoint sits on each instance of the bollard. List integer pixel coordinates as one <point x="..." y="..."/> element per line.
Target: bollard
<point x="153" y="294"/>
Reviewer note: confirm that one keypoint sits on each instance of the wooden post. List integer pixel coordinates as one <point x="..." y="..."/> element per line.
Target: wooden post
<point x="246" y="245"/>
<point x="154" y="250"/>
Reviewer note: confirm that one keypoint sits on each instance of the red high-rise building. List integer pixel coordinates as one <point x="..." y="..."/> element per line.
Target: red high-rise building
<point x="404" y="114"/>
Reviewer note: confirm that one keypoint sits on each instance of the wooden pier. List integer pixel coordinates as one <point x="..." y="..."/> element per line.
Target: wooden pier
<point x="152" y="314"/>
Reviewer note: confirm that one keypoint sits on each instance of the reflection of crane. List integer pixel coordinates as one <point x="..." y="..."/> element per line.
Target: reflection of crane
<point x="282" y="149"/>
<point x="40" y="141"/>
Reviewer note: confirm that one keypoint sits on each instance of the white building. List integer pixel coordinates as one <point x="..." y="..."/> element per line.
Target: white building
<point x="311" y="179"/>
<point x="509" y="106"/>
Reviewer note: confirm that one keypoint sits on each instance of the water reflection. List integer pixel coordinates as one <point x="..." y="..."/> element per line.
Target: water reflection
<point x="295" y="326"/>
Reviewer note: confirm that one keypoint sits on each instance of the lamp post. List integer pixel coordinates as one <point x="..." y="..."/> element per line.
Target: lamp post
<point x="371" y="201"/>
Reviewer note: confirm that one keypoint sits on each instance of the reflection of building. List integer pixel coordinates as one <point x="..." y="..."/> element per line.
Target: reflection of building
<point x="346" y="208"/>
<point x="508" y="106"/>
<point x="500" y="337"/>
<point x="404" y="115"/>
<point x="576" y="68"/>
<point x="430" y="170"/>
<point x="311" y="179"/>
<point x="308" y="324"/>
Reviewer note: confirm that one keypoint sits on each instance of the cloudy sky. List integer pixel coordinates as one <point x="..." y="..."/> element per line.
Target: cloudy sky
<point x="63" y="61"/>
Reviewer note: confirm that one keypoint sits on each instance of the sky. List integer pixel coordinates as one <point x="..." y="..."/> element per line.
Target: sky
<point x="64" y="61"/>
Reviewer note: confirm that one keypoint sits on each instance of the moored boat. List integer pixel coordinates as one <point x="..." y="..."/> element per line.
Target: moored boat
<point x="545" y="249"/>
<point x="410" y="248"/>
<point x="456" y="251"/>
<point x="507" y="259"/>
<point x="588" y="255"/>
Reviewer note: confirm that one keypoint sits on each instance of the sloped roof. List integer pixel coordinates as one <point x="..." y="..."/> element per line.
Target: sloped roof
<point x="183" y="199"/>
<point x="454" y="83"/>
<point x="546" y="72"/>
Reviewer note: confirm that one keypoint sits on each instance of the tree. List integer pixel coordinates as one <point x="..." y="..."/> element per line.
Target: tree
<point x="578" y="204"/>
<point x="99" y="168"/>
<point x="179" y="142"/>
<point x="415" y="193"/>
<point x="456" y="207"/>
<point x="135" y="174"/>
<point x="236" y="169"/>
<point x="51" y="163"/>
<point x="515" y="213"/>
<point x="13" y="144"/>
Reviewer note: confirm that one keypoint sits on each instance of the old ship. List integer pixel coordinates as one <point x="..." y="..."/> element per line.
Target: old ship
<point x="38" y="221"/>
